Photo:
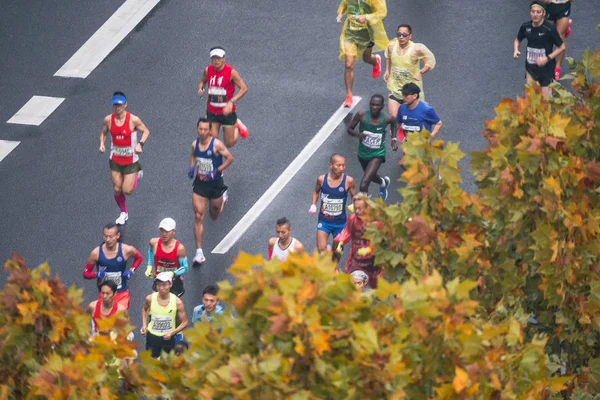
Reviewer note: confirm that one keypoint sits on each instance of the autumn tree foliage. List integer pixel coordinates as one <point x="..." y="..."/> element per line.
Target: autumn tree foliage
<point x="530" y="234"/>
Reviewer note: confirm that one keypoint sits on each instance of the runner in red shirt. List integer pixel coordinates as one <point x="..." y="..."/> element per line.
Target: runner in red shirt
<point x="106" y="306"/>
<point x="219" y="80"/>
<point x="126" y="146"/>
<point x="166" y="254"/>
<point x="361" y="256"/>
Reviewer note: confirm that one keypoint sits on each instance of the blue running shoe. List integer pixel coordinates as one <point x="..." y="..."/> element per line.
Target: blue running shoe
<point x="383" y="192"/>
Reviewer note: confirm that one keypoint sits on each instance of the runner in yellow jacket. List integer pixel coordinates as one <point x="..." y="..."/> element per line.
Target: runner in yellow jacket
<point x="403" y="59"/>
<point x="362" y="34"/>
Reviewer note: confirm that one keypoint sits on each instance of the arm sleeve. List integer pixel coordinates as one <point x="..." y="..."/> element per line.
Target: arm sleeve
<point x="137" y="261"/>
<point x="183" y="262"/>
<point x="424" y="54"/>
<point x="432" y="117"/>
<point x="521" y="34"/>
<point x="269" y="252"/>
<point x="150" y="255"/>
<point x="388" y="50"/>
<point x="379" y="11"/>
<point x="342" y="8"/>
<point x="88" y="272"/>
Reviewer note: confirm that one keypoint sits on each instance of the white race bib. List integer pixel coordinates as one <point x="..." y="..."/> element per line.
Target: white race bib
<point x="372" y="140"/>
<point x="534" y="54"/>
<point x="217" y="96"/>
<point x="204" y="165"/>
<point x="332" y="207"/>
<point x="122" y="151"/>
<point x="114" y="277"/>
<point x="411" y="128"/>
<point x="161" y="324"/>
<point x="401" y="75"/>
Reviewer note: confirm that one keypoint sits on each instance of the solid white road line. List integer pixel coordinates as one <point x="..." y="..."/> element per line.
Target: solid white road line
<point x="6" y="147"/>
<point x="115" y="29"/>
<point x="36" y="110"/>
<point x="240" y="228"/>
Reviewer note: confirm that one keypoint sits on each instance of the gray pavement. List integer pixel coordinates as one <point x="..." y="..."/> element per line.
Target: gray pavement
<point x="56" y="191"/>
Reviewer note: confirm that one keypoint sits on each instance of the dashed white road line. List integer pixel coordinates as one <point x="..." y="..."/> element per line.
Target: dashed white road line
<point x="36" y="110"/>
<point x="115" y="29"/>
<point x="6" y="147"/>
<point x="253" y="213"/>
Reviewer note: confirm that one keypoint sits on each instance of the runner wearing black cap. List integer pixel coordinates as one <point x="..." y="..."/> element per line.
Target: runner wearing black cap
<point x="414" y="114"/>
<point x="221" y="80"/>
<point x="125" y="168"/>
<point x="541" y="37"/>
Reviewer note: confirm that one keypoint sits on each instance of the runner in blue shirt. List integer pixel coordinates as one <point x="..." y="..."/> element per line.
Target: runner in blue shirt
<point x="414" y="114"/>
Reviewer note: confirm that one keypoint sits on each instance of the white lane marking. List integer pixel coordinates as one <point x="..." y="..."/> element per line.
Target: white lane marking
<point x="6" y="147"/>
<point x="115" y="29"/>
<point x="240" y="228"/>
<point x="36" y="110"/>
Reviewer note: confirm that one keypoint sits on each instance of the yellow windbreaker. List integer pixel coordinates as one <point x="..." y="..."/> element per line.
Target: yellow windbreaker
<point x="356" y="36"/>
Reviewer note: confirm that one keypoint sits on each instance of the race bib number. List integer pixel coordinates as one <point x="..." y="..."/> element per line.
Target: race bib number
<point x="123" y="151"/>
<point x="204" y="165"/>
<point x="372" y="140"/>
<point x="400" y="75"/>
<point x="114" y="277"/>
<point x="534" y="54"/>
<point x="411" y="128"/>
<point x="217" y="96"/>
<point x="161" y="324"/>
<point x="332" y="207"/>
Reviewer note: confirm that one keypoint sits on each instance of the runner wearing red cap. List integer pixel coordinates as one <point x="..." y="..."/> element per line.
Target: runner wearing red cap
<point x="221" y="80"/>
<point x="125" y="168"/>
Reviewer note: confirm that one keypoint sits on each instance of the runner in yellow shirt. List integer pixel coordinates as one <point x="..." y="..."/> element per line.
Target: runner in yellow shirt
<point x="362" y="34"/>
<point x="403" y="60"/>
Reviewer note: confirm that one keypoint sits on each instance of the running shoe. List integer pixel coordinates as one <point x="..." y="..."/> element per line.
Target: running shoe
<point x="348" y="102"/>
<point x="242" y="129"/>
<point x="383" y="192"/>
<point x="556" y="74"/>
<point x="377" y="67"/>
<point x="568" y="31"/>
<point x="123" y="217"/>
<point x="199" y="257"/>
<point x="225" y="196"/>
<point x="401" y="136"/>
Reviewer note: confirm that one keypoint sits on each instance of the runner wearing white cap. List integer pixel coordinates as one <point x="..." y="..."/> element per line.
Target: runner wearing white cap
<point x="165" y="310"/>
<point x="221" y="80"/>
<point x="125" y="168"/>
<point x="166" y="254"/>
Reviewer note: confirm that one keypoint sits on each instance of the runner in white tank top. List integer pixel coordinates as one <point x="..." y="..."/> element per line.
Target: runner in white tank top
<point x="283" y="244"/>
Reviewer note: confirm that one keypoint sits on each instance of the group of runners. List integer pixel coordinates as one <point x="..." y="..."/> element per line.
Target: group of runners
<point x="363" y="35"/>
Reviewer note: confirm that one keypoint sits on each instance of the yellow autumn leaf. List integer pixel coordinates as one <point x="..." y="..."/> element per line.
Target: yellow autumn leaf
<point x="557" y="126"/>
<point x="320" y="342"/>
<point x="460" y="381"/>
<point x="306" y="292"/>
<point x="552" y="186"/>
<point x="245" y="262"/>
<point x="495" y="382"/>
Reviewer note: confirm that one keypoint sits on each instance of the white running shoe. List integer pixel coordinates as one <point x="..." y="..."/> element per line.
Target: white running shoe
<point x="225" y="196"/>
<point x="123" y="217"/>
<point x="199" y="257"/>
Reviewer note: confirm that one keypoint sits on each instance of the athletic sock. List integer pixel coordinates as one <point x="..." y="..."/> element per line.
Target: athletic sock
<point x="121" y="202"/>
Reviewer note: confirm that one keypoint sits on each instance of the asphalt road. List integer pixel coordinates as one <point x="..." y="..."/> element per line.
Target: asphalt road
<point x="56" y="193"/>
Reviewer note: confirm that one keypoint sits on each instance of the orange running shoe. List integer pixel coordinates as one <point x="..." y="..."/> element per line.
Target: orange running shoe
<point x="377" y="67"/>
<point x="242" y="129"/>
<point x="348" y="102"/>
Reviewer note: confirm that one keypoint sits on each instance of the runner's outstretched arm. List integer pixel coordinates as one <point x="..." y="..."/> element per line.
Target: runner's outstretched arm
<point x="358" y="117"/>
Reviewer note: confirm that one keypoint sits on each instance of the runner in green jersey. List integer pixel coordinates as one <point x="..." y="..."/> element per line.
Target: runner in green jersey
<point x="371" y="131"/>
